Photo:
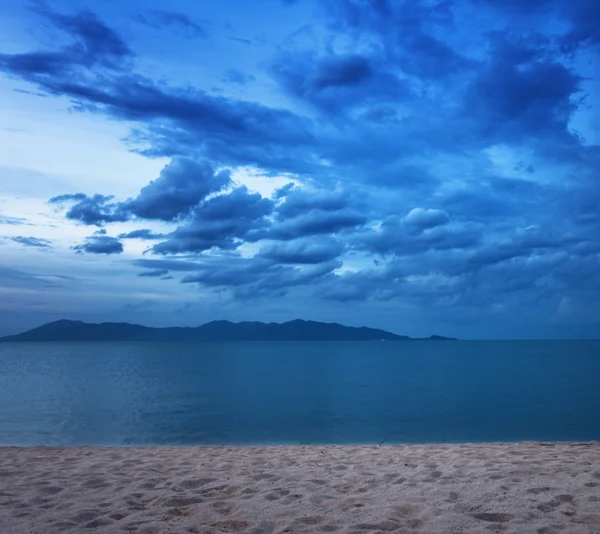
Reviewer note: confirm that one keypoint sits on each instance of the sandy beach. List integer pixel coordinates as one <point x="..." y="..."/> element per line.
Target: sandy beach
<point x="509" y="488"/>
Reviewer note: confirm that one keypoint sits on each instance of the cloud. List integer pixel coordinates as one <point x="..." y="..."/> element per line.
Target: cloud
<point x="316" y="222"/>
<point x="254" y="277"/>
<point x="93" y="44"/>
<point x="157" y="273"/>
<point x="159" y="19"/>
<point x="309" y="212"/>
<point x="408" y="33"/>
<point x="426" y="232"/>
<point x="34" y="242"/>
<point x="302" y="251"/>
<point x="238" y="77"/>
<point x="12" y="221"/>
<point x="182" y="184"/>
<point x="175" y="120"/>
<point x="522" y="243"/>
<point x="336" y="83"/>
<point x="582" y="16"/>
<point x="423" y="219"/>
<point x="99" y="244"/>
<point x="299" y="201"/>
<point x="408" y="132"/>
<point x="339" y="71"/>
<point x="144" y="234"/>
<point x="169" y="265"/>
<point x="94" y="37"/>
<point x="95" y="210"/>
<point x="221" y="222"/>
<point x="522" y="92"/>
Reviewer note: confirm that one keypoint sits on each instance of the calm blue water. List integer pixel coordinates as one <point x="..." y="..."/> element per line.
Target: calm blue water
<point x="250" y="393"/>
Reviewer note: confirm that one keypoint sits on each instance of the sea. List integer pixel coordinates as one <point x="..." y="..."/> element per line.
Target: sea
<point x="149" y="393"/>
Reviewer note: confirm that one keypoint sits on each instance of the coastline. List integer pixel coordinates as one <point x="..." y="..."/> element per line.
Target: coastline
<point x="447" y="488"/>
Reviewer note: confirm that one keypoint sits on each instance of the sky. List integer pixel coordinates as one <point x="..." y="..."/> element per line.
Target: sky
<point x="422" y="166"/>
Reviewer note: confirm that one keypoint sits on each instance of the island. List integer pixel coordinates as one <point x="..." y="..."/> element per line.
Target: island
<point x="297" y="330"/>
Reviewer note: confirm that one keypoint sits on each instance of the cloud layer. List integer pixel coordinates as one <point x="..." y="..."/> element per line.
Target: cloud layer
<point x="438" y="154"/>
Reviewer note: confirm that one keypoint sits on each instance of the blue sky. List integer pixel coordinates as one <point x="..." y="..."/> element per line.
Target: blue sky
<point x="424" y="166"/>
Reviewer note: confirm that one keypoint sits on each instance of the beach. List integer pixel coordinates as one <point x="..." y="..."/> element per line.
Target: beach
<point x="544" y="488"/>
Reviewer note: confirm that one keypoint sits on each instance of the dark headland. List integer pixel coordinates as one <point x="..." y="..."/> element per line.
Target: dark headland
<point x="297" y="330"/>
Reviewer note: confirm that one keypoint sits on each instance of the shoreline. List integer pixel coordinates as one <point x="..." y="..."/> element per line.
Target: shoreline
<point x="541" y="487"/>
<point x="541" y="443"/>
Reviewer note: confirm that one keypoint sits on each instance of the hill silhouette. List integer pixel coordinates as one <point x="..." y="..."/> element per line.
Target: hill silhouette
<point x="297" y="330"/>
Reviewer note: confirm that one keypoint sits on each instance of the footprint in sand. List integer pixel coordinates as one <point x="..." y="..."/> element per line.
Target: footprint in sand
<point x="552" y="505"/>
<point x="100" y="522"/>
<point x="311" y="520"/>
<point x="195" y="483"/>
<point x="264" y="476"/>
<point x="407" y="510"/>
<point x="49" y="490"/>
<point x="96" y="483"/>
<point x="383" y="526"/>
<point x="277" y="494"/>
<point x="64" y="524"/>
<point x="231" y="525"/>
<point x="494" y="517"/>
<point x="536" y="491"/>
<point x="182" y="501"/>
<point x="86" y="516"/>
<point x="224" y="507"/>
<point x="453" y="496"/>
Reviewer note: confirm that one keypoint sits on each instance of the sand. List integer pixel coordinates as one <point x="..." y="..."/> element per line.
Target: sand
<point x="508" y="488"/>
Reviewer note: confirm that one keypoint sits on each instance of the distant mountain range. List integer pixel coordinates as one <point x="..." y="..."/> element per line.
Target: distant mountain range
<point x="298" y="330"/>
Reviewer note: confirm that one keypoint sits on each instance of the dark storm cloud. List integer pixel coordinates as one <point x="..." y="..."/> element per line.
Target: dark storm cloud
<point x="181" y="185"/>
<point x="94" y="44"/>
<point x="34" y="242"/>
<point x="99" y="244"/>
<point x="337" y="83"/>
<point x="223" y="222"/>
<point x="92" y="74"/>
<point x="283" y="191"/>
<point x="302" y="251"/>
<point x="523" y="243"/>
<point x="316" y="222"/>
<point x="300" y="201"/>
<point x="94" y="37"/>
<point x="397" y="237"/>
<point x="92" y="210"/>
<point x="304" y="75"/>
<point x="523" y="92"/>
<point x="405" y="31"/>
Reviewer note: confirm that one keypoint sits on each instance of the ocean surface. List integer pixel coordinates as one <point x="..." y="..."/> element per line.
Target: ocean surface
<point x="292" y="393"/>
